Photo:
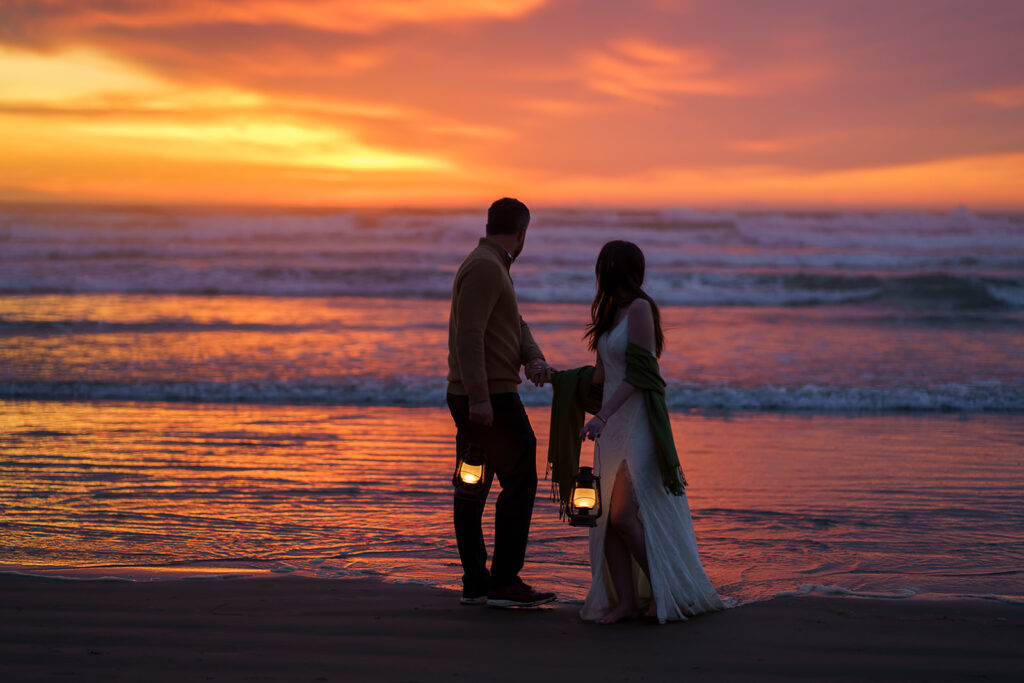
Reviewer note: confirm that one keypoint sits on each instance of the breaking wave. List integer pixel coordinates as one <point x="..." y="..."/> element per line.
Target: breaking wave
<point x="957" y="260"/>
<point x="979" y="397"/>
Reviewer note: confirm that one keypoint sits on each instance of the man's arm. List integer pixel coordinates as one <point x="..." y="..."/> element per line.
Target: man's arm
<point x="528" y="348"/>
<point x="530" y="355"/>
<point x="475" y="299"/>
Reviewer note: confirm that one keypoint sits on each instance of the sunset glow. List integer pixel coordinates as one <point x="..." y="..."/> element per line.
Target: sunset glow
<point x="561" y="102"/>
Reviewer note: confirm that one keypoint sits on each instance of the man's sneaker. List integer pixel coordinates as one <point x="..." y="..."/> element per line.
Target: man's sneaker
<point x="517" y="594"/>
<point x="473" y="599"/>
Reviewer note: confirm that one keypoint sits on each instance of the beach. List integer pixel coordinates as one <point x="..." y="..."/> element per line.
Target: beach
<point x="297" y="629"/>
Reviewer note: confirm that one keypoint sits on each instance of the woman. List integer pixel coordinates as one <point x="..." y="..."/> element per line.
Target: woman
<point x="643" y="553"/>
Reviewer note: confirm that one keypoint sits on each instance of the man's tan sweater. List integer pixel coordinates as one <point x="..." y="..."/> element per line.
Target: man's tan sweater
<point x="488" y="341"/>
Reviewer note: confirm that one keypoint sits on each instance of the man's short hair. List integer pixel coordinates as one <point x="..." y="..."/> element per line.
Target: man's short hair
<point x="507" y="216"/>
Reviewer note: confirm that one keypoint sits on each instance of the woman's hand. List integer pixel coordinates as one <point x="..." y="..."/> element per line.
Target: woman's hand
<point x="592" y="430"/>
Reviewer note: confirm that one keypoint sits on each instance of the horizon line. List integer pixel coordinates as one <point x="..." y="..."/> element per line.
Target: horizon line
<point x="467" y="207"/>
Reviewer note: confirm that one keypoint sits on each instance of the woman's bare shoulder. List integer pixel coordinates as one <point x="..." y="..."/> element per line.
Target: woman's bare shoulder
<point x="641" y="324"/>
<point x="641" y="308"/>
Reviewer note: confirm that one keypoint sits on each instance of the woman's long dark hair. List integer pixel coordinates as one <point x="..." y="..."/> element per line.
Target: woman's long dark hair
<point x="620" y="273"/>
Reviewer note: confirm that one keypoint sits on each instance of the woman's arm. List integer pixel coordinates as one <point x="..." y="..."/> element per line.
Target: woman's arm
<point x="640" y="331"/>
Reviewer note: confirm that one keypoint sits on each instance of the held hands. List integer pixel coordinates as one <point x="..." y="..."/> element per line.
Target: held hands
<point x="539" y="372"/>
<point x="592" y="430"/>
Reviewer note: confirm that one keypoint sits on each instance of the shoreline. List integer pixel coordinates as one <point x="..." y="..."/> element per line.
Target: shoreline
<point x="216" y="572"/>
<point x="114" y="398"/>
<point x="296" y="628"/>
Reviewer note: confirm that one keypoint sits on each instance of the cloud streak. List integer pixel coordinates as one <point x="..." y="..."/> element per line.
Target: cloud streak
<point x="346" y="16"/>
<point x="642" y="71"/>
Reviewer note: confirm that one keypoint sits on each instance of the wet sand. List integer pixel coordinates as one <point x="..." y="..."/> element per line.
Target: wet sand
<point x="298" y="629"/>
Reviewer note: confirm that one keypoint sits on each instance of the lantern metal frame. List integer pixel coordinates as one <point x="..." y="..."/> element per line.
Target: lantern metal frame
<point x="470" y="456"/>
<point x="581" y="516"/>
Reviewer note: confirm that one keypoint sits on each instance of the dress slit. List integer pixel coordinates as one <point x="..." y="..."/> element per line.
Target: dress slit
<point x="637" y="510"/>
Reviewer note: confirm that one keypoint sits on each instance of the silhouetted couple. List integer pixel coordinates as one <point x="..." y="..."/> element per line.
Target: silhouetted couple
<point x="643" y="552"/>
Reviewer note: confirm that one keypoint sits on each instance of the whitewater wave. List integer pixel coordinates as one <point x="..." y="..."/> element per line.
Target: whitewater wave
<point x="177" y="227"/>
<point x="958" y="260"/>
<point x="835" y="591"/>
<point x="682" y="288"/>
<point x="980" y="397"/>
<point x="925" y="291"/>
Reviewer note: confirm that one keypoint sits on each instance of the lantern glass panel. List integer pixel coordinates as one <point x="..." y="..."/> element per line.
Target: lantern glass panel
<point x="471" y="474"/>
<point x="584" y="498"/>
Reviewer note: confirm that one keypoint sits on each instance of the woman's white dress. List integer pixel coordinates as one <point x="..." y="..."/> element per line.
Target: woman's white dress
<point x="678" y="582"/>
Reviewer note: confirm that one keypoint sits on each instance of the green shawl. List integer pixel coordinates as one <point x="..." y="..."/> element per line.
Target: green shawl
<point x="575" y="395"/>
<point x="642" y="372"/>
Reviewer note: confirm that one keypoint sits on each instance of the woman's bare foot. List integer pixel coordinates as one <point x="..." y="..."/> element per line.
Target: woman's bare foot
<point x="620" y="613"/>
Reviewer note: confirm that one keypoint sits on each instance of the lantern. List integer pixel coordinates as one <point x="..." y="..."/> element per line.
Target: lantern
<point x="470" y="471"/>
<point x="585" y="499"/>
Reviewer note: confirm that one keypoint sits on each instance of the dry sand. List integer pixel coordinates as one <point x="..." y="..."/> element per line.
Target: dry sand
<point x="296" y="629"/>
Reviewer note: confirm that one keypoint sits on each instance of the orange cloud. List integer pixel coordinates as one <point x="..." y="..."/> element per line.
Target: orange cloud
<point x="28" y="76"/>
<point x="993" y="181"/>
<point x="639" y="70"/>
<point x="337" y="15"/>
<point x="127" y="122"/>
<point x="555" y="107"/>
<point x="759" y="146"/>
<point x="284" y="60"/>
<point x="1005" y="98"/>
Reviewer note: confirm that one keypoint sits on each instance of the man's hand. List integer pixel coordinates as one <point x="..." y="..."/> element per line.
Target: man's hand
<point x="482" y="413"/>
<point x="538" y="371"/>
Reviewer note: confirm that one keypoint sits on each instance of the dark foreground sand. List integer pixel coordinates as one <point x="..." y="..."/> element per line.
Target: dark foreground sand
<point x="295" y="629"/>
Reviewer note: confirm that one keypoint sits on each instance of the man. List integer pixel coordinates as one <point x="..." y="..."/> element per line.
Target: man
<point x="488" y="341"/>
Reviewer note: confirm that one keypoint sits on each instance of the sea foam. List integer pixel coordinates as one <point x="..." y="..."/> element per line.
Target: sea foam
<point x="981" y="397"/>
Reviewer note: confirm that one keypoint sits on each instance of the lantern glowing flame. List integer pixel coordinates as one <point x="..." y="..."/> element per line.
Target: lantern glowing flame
<point x="584" y="499"/>
<point x="470" y="471"/>
<point x="471" y="474"/>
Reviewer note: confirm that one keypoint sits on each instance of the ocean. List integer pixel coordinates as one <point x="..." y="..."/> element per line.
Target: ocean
<point x="207" y="393"/>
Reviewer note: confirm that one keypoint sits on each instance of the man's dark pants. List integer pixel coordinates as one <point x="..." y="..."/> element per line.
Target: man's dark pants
<point x="510" y="452"/>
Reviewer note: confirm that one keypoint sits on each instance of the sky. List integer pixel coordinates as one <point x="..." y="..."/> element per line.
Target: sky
<point x="648" y="103"/>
